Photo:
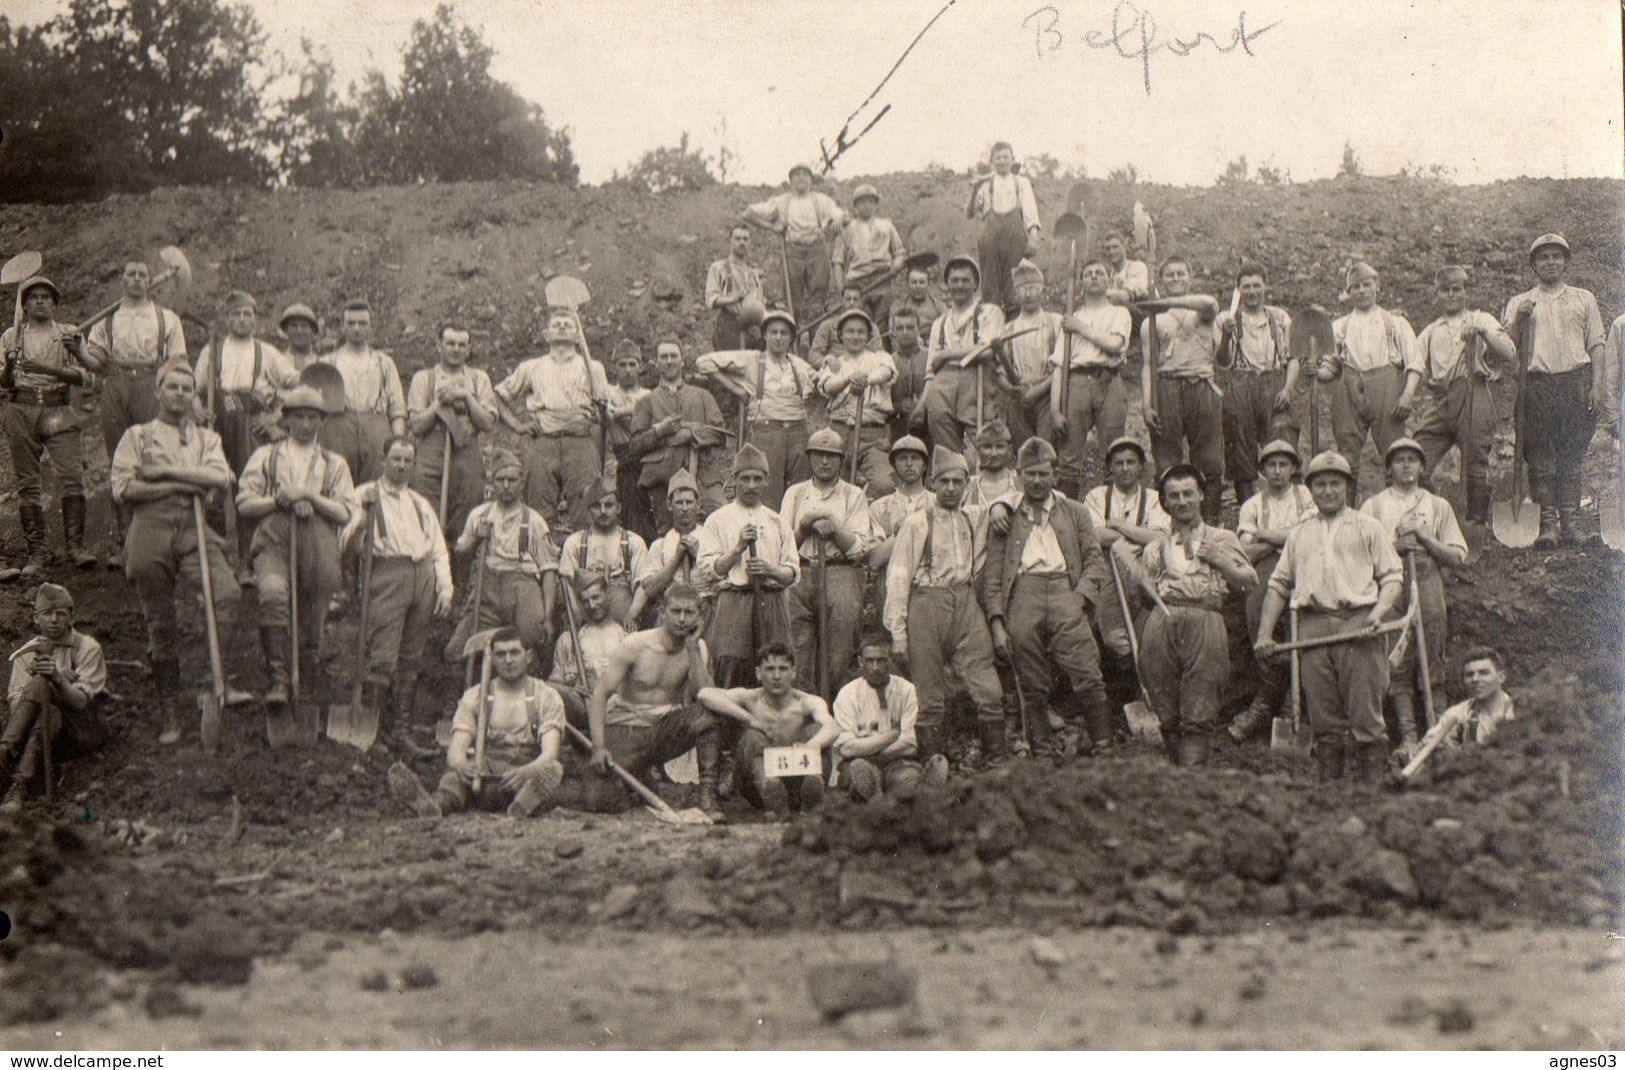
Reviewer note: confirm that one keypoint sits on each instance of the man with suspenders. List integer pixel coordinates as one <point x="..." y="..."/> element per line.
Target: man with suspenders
<point x="607" y="547"/>
<point x="775" y="385"/>
<point x="518" y="588"/>
<point x="295" y="482"/>
<point x="372" y="383"/>
<point x="451" y="398"/>
<point x="950" y="393"/>
<point x="132" y="344"/>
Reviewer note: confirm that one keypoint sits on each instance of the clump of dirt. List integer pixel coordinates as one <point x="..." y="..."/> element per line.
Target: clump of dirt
<point x="75" y="908"/>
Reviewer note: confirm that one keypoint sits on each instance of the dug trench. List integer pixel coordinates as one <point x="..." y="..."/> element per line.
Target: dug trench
<point x="173" y="869"/>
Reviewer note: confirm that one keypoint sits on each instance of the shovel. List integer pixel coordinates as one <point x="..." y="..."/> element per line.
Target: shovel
<point x="13" y="273"/>
<point x="1517" y="522"/>
<point x="474" y="646"/>
<point x="283" y="727"/>
<point x="209" y="703"/>
<point x="357" y="723"/>
<point x="1141" y="721"/>
<point x="1287" y="735"/>
<point x="1069" y="228"/>
<point x="1311" y="337"/>
<point x="482" y="710"/>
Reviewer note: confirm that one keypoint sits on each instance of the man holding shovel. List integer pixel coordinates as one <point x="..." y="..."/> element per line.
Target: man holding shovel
<point x="411" y="580"/>
<point x="857" y="383"/>
<point x="675" y="555"/>
<point x="1180" y="393"/>
<point x="729" y="283"/>
<point x="958" y="399"/>
<point x="1266" y="519"/>
<point x="504" y="756"/>
<point x="1028" y="398"/>
<point x="559" y="394"/>
<point x="1342" y="577"/>
<point x="868" y="250"/>
<point x="1423" y="528"/>
<point x="1096" y="397"/>
<point x="830" y="518"/>
<point x="1461" y="353"/>
<point x="448" y="407"/>
<point x="157" y="470"/>
<point x="775" y="385"/>
<point x="1184" y="651"/>
<point x="294" y="482"/>
<point x="40" y="362"/>
<point x="751" y="552"/>
<point x="805" y="220"/>
<point x="341" y="431"/>
<point x="643" y="712"/>
<point x="518" y="587"/>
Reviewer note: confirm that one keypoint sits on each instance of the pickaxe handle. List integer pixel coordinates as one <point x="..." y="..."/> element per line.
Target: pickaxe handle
<point x="1345" y="637"/>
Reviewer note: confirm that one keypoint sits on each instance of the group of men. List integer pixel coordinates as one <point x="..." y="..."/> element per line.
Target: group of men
<point x="886" y="525"/>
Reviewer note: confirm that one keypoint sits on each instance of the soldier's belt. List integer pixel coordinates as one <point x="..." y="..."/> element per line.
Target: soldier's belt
<point x="43" y="396"/>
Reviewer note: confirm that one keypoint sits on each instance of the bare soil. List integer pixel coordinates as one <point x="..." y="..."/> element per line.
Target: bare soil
<point x="1232" y="906"/>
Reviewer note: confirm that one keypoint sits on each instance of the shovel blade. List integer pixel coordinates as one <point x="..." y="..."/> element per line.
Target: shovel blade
<point x="1285" y="738"/>
<point x="354" y="725"/>
<point x="209" y="721"/>
<point x="1143" y="723"/>
<point x="1612" y="522"/>
<point x="566" y="291"/>
<point x="1069" y="227"/>
<point x="1516" y="528"/>
<point x="282" y="726"/>
<point x="20" y="267"/>
<point x="689" y="816"/>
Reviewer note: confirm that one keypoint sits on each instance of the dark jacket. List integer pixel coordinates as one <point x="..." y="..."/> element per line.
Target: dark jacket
<point x="1085" y="565"/>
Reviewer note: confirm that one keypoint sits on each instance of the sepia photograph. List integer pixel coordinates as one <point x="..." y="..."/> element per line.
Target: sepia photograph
<point x="785" y="525"/>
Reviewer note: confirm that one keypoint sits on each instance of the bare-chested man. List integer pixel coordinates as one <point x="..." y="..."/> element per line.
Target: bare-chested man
<point x="775" y="715"/>
<point x="643" y="712"/>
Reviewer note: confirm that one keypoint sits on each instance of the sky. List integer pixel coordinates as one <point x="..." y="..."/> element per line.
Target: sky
<point x="1486" y="89"/>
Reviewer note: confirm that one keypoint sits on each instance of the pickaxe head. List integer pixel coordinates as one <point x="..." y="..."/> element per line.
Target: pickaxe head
<point x="479" y="642"/>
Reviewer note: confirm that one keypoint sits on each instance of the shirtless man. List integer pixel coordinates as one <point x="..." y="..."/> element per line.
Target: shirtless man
<point x="642" y="712"/>
<point x="775" y="715"/>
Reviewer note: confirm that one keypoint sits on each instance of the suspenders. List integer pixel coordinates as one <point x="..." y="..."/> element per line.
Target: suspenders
<point x="586" y="536"/>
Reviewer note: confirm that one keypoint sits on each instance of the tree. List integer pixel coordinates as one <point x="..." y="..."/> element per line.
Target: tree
<point x="449" y="120"/>
<point x="1350" y="167"/>
<point x="1234" y="174"/>
<point x="672" y="167"/>
<point x="311" y="130"/>
<point x="185" y="75"/>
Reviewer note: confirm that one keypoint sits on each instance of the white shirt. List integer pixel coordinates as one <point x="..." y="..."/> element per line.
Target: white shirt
<point x="775" y="543"/>
<point x="407" y="527"/>
<point x="860" y="713"/>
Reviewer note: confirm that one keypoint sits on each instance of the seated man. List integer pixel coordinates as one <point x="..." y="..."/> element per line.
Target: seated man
<point x="57" y="678"/>
<point x="1488" y="706"/>
<point x="523" y="728"/>
<point x="642" y="714"/>
<point x="875" y="714"/>
<point x="600" y="638"/>
<point x="775" y="715"/>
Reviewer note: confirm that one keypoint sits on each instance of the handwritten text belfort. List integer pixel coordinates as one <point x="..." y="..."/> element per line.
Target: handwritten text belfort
<point x="1135" y="35"/>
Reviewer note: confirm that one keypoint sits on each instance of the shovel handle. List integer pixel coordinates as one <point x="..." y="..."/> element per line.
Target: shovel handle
<point x="1343" y="637"/>
<point x="1421" y="756"/>
<point x="216" y="670"/>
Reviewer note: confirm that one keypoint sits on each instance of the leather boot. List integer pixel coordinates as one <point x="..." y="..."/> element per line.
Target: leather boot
<point x="1405" y="714"/>
<point x="1331" y="752"/>
<point x="73" y="532"/>
<point x="1252" y="720"/>
<point x="1368" y="761"/>
<point x="274" y="645"/>
<point x="1478" y="503"/>
<point x="1213" y="501"/>
<point x="1550" y="531"/>
<point x="115" y="560"/>
<point x="1193" y="746"/>
<point x="32" y="519"/>
<point x="708" y="756"/>
<point x="166" y="681"/>
<point x="1101" y="726"/>
<point x="991" y="733"/>
<point x="1170" y="742"/>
